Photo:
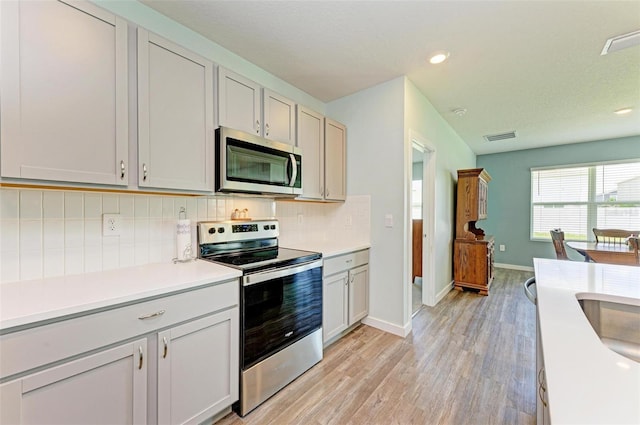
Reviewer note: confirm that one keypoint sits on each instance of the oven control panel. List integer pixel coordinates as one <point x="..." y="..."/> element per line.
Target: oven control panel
<point x="229" y="231"/>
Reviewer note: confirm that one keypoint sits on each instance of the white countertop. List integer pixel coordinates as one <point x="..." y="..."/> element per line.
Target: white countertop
<point x="587" y="382"/>
<point x="328" y="248"/>
<point x="26" y="302"/>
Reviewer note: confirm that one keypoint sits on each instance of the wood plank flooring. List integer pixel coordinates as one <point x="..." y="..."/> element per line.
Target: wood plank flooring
<point x="469" y="360"/>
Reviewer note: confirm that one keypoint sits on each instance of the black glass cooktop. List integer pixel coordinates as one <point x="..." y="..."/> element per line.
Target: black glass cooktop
<point x="258" y="260"/>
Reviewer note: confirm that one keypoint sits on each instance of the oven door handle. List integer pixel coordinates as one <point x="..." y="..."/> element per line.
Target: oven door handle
<point x="252" y="279"/>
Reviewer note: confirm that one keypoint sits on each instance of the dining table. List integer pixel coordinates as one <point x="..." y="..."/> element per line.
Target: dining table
<point x="611" y="253"/>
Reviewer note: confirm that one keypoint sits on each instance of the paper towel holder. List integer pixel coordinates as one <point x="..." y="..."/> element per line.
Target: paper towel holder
<point x="188" y="252"/>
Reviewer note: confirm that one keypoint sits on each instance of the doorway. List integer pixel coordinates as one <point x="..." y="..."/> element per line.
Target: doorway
<point x="417" y="165"/>
<point x="421" y="216"/>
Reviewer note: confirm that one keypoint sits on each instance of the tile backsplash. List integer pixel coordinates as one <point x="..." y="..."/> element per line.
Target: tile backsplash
<point x="349" y="221"/>
<point x="46" y="233"/>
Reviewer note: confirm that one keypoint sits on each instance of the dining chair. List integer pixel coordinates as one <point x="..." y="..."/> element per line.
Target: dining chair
<point x="634" y="241"/>
<point x="614" y="236"/>
<point x="557" y="237"/>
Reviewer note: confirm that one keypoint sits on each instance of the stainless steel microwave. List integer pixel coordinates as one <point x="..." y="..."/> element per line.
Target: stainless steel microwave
<point x="250" y="164"/>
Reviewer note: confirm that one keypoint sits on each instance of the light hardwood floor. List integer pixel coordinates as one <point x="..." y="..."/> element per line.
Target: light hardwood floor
<point x="469" y="360"/>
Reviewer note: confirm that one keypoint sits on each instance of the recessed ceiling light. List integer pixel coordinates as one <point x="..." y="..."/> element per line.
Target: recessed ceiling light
<point x="623" y="111"/>
<point x="439" y="57"/>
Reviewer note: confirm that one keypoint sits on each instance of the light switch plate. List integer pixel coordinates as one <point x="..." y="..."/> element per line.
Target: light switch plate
<point x="388" y="220"/>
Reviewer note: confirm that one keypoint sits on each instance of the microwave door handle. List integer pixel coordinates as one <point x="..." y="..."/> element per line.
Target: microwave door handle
<point x="294" y="169"/>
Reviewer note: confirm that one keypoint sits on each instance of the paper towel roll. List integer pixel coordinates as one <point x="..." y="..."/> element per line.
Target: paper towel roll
<point x="183" y="240"/>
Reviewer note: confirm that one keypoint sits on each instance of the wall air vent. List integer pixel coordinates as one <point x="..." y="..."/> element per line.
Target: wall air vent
<point x="501" y="136"/>
<point x="621" y="42"/>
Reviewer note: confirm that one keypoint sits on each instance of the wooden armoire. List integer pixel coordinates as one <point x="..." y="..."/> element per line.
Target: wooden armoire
<point x="472" y="249"/>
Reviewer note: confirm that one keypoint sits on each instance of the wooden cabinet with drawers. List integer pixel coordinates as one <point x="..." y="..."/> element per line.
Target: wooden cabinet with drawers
<point x="473" y="250"/>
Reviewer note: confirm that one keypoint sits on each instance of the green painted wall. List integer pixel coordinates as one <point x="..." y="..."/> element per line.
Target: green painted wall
<point x="509" y="213"/>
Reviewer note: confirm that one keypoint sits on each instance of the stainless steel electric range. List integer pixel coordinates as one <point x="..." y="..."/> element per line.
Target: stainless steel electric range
<point x="280" y="304"/>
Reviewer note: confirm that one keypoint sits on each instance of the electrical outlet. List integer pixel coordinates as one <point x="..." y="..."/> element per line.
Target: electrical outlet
<point x="349" y="220"/>
<point x="300" y="218"/>
<point x="111" y="224"/>
<point x="503" y="248"/>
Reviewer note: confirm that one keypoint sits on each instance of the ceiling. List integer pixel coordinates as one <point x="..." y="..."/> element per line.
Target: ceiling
<point x="533" y="67"/>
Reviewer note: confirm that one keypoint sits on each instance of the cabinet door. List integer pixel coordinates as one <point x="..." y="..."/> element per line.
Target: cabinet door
<point x="310" y="138"/>
<point x="279" y="117"/>
<point x="109" y="387"/>
<point x="175" y="116"/>
<point x="335" y="160"/>
<point x="198" y="365"/>
<point x="64" y="93"/>
<point x="238" y="102"/>
<point x="358" y="293"/>
<point x="335" y="305"/>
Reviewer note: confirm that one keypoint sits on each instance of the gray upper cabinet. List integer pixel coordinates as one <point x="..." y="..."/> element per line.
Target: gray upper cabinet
<point x="244" y="105"/>
<point x="335" y="163"/>
<point x="175" y="116"/>
<point x="64" y="93"/>
<point x="324" y="145"/>
<point x="310" y="138"/>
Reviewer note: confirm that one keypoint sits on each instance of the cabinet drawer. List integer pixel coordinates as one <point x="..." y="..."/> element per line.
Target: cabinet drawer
<point x="38" y="346"/>
<point x="345" y="262"/>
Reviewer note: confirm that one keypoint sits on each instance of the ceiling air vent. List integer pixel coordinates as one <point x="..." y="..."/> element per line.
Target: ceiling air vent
<point x="621" y="42"/>
<point x="501" y="136"/>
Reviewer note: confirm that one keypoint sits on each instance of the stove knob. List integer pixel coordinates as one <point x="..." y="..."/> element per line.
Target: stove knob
<point x="212" y="230"/>
<point x="273" y="227"/>
<point x="220" y="229"/>
<point x="266" y="227"/>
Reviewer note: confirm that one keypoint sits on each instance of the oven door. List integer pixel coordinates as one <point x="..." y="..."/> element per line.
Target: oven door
<point x="278" y="308"/>
<point x="248" y="163"/>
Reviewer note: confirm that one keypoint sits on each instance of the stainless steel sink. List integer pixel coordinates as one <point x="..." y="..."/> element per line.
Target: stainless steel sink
<point x="617" y="325"/>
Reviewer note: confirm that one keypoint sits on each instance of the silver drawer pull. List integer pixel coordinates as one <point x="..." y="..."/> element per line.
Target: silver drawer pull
<point x="151" y="315"/>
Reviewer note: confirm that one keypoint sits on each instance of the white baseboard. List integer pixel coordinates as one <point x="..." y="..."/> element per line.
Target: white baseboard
<point x="443" y="292"/>
<point x="514" y="267"/>
<point x="401" y="331"/>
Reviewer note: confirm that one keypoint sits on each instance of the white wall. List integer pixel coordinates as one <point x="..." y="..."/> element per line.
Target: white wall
<point x="451" y="154"/>
<point x="378" y="122"/>
<point x="375" y="167"/>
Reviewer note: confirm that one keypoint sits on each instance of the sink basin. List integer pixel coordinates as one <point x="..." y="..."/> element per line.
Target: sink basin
<point x="617" y="325"/>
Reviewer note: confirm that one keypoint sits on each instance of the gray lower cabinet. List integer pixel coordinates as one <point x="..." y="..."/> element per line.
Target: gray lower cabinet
<point x="170" y="360"/>
<point x="197" y="364"/>
<point x="345" y="293"/>
<point x="109" y="386"/>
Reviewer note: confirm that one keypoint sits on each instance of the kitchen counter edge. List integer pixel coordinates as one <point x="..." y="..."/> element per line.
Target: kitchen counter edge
<point x="32" y="302"/>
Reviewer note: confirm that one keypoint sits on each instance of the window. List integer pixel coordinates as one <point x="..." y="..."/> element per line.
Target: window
<point x="416" y="199"/>
<point x="578" y="198"/>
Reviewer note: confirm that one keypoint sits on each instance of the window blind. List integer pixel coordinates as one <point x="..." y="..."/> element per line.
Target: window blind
<point x="578" y="198"/>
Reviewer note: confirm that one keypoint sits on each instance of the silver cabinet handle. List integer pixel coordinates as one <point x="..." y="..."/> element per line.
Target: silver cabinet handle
<point x="257" y="126"/>
<point x="141" y="359"/>
<point x="164" y="352"/>
<point x="346" y="281"/>
<point x="144" y="172"/>
<point x="122" y="169"/>
<point x="321" y="191"/>
<point x="151" y="315"/>
<point x="266" y="129"/>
